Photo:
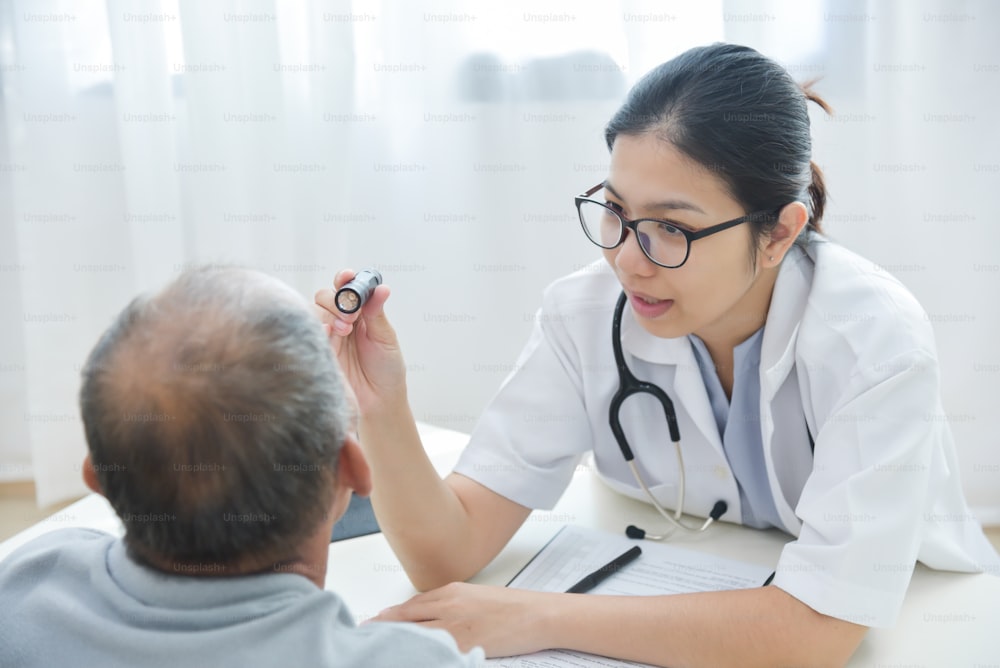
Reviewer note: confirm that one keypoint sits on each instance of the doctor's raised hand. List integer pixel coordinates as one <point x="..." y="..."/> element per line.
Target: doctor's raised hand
<point x="365" y="344"/>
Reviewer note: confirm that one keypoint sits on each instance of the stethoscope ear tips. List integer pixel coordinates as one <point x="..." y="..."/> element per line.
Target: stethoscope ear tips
<point x="632" y="531"/>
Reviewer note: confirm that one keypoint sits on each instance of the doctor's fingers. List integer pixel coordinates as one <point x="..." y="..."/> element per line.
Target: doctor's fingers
<point x="465" y="637"/>
<point x="372" y="312"/>
<point x="459" y="601"/>
<point x="427" y="606"/>
<point x="502" y="621"/>
<point x="328" y="314"/>
<point x="326" y="305"/>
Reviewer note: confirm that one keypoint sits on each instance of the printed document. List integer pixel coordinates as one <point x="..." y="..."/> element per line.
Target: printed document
<point x="575" y="552"/>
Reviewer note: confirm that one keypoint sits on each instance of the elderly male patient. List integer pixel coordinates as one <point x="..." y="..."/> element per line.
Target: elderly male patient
<point x="218" y="428"/>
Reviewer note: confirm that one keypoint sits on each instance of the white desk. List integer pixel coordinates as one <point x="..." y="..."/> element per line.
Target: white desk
<point x="948" y="620"/>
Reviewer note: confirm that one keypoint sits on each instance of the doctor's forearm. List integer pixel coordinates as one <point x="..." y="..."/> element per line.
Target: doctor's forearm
<point x="746" y="628"/>
<point x="421" y="517"/>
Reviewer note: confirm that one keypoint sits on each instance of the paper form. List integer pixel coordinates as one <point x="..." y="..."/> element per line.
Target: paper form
<point x="661" y="569"/>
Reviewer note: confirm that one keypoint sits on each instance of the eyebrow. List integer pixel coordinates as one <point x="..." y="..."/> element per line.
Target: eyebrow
<point x="672" y="204"/>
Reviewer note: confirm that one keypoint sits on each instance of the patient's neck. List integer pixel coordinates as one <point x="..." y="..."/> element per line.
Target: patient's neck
<point x="310" y="562"/>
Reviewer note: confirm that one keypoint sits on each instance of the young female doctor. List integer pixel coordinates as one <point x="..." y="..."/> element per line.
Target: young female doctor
<point x="803" y="379"/>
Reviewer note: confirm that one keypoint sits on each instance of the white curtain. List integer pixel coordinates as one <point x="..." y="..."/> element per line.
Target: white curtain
<point x="442" y="142"/>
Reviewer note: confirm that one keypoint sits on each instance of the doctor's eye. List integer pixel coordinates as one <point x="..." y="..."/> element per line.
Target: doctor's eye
<point x="668" y="230"/>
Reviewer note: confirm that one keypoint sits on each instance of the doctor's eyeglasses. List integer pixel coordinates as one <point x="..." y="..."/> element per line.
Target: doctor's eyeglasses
<point x="665" y="242"/>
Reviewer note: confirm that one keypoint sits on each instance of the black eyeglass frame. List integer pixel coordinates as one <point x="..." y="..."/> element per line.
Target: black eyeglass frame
<point x="688" y="234"/>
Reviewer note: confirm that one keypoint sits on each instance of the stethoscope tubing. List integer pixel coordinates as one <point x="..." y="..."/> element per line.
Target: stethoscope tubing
<point x="629" y="385"/>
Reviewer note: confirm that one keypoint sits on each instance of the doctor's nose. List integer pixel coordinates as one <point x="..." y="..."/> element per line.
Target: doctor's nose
<point x="630" y="258"/>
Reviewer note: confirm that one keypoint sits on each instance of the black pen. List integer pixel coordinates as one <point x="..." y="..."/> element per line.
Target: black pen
<point x="604" y="572"/>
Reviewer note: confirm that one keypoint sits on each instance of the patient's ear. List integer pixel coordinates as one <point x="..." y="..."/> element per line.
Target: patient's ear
<point x="90" y="476"/>
<point x="352" y="468"/>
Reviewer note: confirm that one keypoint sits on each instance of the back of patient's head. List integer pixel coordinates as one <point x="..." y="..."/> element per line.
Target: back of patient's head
<point x="214" y="412"/>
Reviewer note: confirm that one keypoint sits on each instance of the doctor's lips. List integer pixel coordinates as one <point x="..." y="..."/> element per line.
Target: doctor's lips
<point x="646" y="306"/>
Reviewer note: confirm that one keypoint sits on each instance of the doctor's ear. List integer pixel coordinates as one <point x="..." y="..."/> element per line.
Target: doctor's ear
<point x="791" y="220"/>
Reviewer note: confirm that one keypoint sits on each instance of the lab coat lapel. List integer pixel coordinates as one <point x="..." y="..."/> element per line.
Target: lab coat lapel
<point x="777" y="359"/>
<point x="689" y="390"/>
<point x="788" y="302"/>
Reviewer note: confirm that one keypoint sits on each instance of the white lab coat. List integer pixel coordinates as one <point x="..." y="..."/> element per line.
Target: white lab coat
<point x="846" y="347"/>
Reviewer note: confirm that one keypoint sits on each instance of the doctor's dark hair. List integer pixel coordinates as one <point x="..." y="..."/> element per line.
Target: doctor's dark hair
<point x="214" y="414"/>
<point x="742" y="117"/>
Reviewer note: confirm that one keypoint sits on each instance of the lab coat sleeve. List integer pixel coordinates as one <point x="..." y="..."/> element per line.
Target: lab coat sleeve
<point x="862" y="508"/>
<point x="530" y="438"/>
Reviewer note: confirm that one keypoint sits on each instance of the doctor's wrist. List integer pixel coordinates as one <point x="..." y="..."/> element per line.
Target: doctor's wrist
<point x="389" y="422"/>
<point x="389" y="408"/>
<point x="551" y="620"/>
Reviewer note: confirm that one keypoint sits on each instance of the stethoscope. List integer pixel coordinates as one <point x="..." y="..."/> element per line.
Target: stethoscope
<point x="629" y="385"/>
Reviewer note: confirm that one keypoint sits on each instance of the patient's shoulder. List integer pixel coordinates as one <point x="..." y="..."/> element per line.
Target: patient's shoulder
<point x="59" y="546"/>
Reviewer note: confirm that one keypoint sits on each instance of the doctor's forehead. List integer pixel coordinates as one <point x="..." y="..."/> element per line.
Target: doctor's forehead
<point x="650" y="174"/>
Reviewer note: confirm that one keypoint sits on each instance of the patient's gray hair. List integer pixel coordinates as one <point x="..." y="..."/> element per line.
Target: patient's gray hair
<point x="214" y="412"/>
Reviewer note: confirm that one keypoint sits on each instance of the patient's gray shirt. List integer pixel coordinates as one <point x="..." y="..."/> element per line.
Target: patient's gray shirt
<point x="74" y="597"/>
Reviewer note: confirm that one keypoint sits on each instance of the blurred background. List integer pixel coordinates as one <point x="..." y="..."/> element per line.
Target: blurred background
<point x="443" y="142"/>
